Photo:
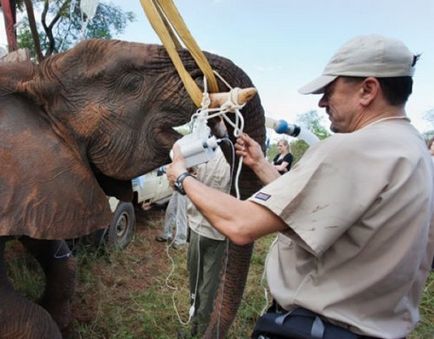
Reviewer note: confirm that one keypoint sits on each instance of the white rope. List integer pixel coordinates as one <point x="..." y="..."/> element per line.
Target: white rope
<point x="232" y="106"/>
<point x="175" y="288"/>
<point x="204" y="112"/>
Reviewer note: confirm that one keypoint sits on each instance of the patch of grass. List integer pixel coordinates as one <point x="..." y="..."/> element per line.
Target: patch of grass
<point x="123" y="294"/>
<point x="425" y="328"/>
<point x="24" y="271"/>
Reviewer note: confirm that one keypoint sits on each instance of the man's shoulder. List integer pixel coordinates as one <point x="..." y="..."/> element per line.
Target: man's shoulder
<point x="368" y="145"/>
<point x="378" y="134"/>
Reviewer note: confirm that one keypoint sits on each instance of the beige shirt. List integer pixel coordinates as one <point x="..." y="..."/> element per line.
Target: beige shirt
<point x="215" y="173"/>
<point x="359" y="243"/>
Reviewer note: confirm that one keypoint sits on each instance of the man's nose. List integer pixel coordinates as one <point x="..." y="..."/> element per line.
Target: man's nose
<point x="323" y="102"/>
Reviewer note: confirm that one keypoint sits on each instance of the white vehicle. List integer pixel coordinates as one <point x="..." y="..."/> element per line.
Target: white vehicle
<point x="121" y="230"/>
<point x="149" y="189"/>
<point x="152" y="188"/>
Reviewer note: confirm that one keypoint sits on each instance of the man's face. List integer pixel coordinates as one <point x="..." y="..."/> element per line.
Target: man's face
<point x="340" y="102"/>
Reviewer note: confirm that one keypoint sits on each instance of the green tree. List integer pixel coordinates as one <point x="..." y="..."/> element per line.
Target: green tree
<point x="60" y="25"/>
<point x="272" y="151"/>
<point x="311" y="121"/>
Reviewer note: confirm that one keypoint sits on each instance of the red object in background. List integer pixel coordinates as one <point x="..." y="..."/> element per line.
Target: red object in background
<point x="9" y="13"/>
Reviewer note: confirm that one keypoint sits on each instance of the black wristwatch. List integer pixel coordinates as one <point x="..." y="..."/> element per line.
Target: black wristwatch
<point x="178" y="183"/>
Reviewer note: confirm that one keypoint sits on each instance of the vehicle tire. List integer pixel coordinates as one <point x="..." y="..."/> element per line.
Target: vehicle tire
<point x="122" y="227"/>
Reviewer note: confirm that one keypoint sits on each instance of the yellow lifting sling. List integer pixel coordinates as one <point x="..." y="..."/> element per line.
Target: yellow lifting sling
<point x="169" y="25"/>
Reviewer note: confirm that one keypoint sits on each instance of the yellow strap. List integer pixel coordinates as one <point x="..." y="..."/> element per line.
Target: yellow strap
<point x="163" y="29"/>
<point x="173" y="36"/>
<point x="179" y="25"/>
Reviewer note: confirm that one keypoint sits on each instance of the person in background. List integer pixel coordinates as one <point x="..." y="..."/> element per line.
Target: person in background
<point x="207" y="245"/>
<point x="175" y="221"/>
<point x="354" y="218"/>
<point x="283" y="160"/>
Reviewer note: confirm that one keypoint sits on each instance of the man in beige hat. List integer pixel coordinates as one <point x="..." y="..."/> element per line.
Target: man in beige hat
<point x="353" y="216"/>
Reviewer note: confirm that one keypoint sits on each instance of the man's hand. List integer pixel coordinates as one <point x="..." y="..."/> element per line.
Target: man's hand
<point x="254" y="158"/>
<point x="250" y="150"/>
<point x="177" y="166"/>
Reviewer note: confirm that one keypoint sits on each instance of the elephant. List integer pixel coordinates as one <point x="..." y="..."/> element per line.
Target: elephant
<point x="77" y="127"/>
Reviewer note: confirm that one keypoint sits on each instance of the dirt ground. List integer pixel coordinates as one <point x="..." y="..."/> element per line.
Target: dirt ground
<point x="103" y="276"/>
<point x="129" y="270"/>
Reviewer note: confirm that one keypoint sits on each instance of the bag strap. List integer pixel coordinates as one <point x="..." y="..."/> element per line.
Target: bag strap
<point x="318" y="328"/>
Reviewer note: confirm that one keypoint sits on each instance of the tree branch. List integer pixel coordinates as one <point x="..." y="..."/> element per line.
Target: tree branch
<point x="59" y="14"/>
<point x="48" y="31"/>
<point x="33" y="29"/>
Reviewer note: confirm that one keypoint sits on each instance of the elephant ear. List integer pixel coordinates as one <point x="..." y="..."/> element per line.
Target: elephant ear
<point x="47" y="190"/>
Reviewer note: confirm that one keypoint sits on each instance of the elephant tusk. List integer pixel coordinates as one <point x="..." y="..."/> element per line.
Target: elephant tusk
<point x="236" y="96"/>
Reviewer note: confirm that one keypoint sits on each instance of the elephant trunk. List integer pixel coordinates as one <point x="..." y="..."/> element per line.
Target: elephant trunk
<point x="229" y="295"/>
<point x="234" y="273"/>
<point x="233" y="277"/>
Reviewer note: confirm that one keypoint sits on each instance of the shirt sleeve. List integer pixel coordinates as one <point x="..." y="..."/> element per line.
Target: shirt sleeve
<point x="323" y="195"/>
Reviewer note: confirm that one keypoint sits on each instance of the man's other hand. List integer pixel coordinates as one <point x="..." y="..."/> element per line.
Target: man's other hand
<point x="250" y="150"/>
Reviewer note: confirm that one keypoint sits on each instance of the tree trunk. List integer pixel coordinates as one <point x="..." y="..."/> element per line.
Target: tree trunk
<point x="8" y="7"/>
<point x="33" y="29"/>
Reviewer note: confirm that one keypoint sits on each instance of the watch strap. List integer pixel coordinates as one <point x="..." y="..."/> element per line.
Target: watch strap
<point x="179" y="187"/>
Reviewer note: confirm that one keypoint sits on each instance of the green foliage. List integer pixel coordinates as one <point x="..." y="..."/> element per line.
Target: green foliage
<point x="24" y="37"/>
<point x="298" y="147"/>
<point x="65" y="25"/>
<point x="24" y="271"/>
<point x="272" y="151"/>
<point x="425" y="328"/>
<point x="310" y="121"/>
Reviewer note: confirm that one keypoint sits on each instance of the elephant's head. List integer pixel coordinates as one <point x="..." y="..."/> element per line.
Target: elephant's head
<point x="89" y="120"/>
<point x="119" y="99"/>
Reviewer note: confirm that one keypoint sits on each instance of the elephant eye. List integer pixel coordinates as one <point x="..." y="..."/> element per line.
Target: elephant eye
<point x="130" y="82"/>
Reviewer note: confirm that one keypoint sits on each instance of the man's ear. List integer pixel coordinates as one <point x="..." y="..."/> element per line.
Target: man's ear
<point x="369" y="90"/>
